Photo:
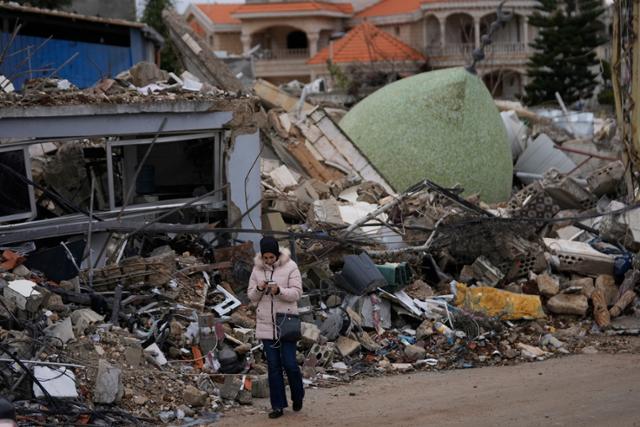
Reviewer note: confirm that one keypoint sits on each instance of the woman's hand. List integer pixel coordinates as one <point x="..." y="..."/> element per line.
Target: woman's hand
<point x="262" y="286"/>
<point x="274" y="289"/>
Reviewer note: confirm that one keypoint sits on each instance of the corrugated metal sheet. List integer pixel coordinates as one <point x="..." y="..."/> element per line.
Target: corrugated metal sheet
<point x="94" y="61"/>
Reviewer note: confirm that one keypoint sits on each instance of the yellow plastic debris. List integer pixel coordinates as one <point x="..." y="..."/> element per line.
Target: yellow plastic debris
<point x="498" y="303"/>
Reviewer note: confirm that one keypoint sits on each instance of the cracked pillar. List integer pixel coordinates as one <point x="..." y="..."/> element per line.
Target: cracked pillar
<point x="476" y="31"/>
<point x="443" y="35"/>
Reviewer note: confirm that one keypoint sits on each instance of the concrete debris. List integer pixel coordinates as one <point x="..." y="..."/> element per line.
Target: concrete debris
<point x="568" y="304"/>
<point x="145" y="308"/>
<point x="59" y="382"/>
<point x="194" y="397"/>
<point x="108" y="388"/>
<point x="548" y="285"/>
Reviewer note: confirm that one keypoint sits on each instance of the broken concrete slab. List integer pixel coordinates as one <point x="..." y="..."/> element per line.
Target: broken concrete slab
<point x="574" y="304"/>
<point x="58" y="382"/>
<point x="347" y="346"/>
<point x="61" y="332"/>
<point x="579" y="257"/>
<point x="24" y="295"/>
<point x="84" y="318"/>
<point x="108" y="388"/>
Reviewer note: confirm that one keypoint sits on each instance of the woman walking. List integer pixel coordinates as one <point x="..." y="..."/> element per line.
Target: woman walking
<point x="276" y="286"/>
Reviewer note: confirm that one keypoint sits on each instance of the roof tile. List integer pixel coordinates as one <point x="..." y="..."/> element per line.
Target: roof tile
<point x="220" y="13"/>
<point x="368" y="43"/>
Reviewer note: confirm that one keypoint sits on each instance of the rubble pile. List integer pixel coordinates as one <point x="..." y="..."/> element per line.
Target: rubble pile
<point x="144" y="82"/>
<point x="427" y="279"/>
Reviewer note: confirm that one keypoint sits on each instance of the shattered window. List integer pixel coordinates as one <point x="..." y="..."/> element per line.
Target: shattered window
<point x="15" y="199"/>
<point x="173" y="170"/>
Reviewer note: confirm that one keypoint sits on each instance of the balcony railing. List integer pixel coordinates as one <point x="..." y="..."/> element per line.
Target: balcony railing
<point x="465" y="49"/>
<point x="277" y="54"/>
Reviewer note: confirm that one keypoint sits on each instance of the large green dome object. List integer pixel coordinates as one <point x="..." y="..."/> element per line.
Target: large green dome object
<point x="442" y="125"/>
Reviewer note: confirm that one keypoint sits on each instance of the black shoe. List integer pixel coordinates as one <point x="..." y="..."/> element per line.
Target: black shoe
<point x="297" y="406"/>
<point x="276" y="413"/>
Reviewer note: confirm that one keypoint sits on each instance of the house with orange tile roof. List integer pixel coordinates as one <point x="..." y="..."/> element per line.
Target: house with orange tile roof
<point x="294" y="37"/>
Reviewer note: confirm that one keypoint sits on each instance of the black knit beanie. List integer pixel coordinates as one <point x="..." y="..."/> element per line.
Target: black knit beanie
<point x="270" y="245"/>
<point x="7" y="412"/>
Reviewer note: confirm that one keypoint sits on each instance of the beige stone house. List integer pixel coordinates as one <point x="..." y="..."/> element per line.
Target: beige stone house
<point x="291" y="34"/>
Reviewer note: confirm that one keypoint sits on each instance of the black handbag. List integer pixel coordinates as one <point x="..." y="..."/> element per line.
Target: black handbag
<point x="288" y="327"/>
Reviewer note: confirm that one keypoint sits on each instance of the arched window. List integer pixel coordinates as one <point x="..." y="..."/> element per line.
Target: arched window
<point x="297" y="40"/>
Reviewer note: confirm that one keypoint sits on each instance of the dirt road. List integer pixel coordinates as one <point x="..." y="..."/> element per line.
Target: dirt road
<point x="584" y="390"/>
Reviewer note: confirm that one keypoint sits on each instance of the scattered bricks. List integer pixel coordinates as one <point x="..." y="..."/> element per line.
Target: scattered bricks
<point x="231" y="388"/>
<point x="347" y="346"/>
<point x="600" y="313"/>
<point x="607" y="284"/>
<point x="414" y="352"/>
<point x="585" y="285"/>
<point x="108" y="388"/>
<point x="310" y="333"/>
<point x="624" y="301"/>
<point x="548" y="286"/>
<point x="195" y="397"/>
<point x="568" y="304"/>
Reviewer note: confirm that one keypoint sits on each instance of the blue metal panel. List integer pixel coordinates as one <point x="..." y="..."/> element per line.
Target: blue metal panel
<point x="137" y="46"/>
<point x="94" y="61"/>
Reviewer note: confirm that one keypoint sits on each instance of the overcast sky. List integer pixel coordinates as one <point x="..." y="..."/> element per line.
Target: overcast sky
<point x="181" y="5"/>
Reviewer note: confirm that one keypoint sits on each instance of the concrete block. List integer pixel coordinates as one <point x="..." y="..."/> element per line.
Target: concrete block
<point x="194" y="397"/>
<point x="548" y="285"/>
<point x="231" y="388"/>
<point x="585" y="285"/>
<point x="61" y="332"/>
<point x="414" y="352"/>
<point x="310" y="333"/>
<point x="575" y="304"/>
<point x="260" y="387"/>
<point x="108" y="388"/>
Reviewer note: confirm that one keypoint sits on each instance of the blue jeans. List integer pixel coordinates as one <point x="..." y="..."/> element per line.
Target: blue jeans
<point x="282" y="356"/>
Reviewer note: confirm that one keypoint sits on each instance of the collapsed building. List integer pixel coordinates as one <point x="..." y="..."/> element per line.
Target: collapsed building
<point x="131" y="210"/>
